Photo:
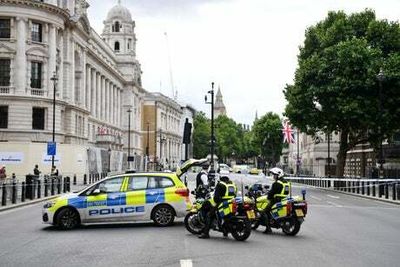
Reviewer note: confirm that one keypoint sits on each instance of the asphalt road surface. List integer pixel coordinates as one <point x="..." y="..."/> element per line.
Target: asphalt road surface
<point x="340" y="230"/>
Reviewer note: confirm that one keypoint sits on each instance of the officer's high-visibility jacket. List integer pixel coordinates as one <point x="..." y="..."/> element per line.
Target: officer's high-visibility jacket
<point x="223" y="197"/>
<point x="284" y="191"/>
<point x="280" y="189"/>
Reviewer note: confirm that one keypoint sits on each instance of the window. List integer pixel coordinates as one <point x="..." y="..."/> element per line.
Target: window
<point x="5" y="72"/>
<point x="36" y="75"/>
<point x="152" y="183"/>
<point x="38" y="118"/>
<point x="164" y="182"/>
<point x="116" y="26"/>
<point x="4" y="117"/>
<point x="116" y="46"/>
<point x="4" y="28"/>
<point x="36" y="32"/>
<point x="138" y="183"/>
<point x="111" y="185"/>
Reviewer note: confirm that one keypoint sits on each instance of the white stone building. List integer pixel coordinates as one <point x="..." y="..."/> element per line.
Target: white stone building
<point x="98" y="82"/>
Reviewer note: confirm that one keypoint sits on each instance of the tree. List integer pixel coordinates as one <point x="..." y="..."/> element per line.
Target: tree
<point x="268" y="137"/>
<point x="201" y="135"/>
<point x="337" y="68"/>
<point x="227" y="137"/>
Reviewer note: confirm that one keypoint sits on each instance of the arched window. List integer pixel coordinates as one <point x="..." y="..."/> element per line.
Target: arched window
<point x="116" y="46"/>
<point x="116" y="26"/>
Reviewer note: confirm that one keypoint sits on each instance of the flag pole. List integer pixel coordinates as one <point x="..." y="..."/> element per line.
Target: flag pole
<point x="298" y="156"/>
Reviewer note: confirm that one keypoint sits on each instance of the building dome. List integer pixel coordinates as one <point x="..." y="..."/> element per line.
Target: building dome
<point x="119" y="12"/>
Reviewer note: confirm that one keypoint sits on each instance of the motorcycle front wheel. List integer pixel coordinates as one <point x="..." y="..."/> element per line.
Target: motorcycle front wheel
<point x="241" y="230"/>
<point x="193" y="223"/>
<point x="291" y="227"/>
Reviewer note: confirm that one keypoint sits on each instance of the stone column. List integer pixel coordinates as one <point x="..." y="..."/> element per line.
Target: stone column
<point x="20" y="59"/>
<point x="118" y="107"/>
<point x="60" y="56"/>
<point x="103" y="97"/>
<point x="52" y="59"/>
<point x="114" y="104"/>
<point x="109" y="95"/>
<point x="83" y="87"/>
<point x="88" y="87"/>
<point x="106" y="99"/>
<point x="71" y="86"/>
<point x="98" y="91"/>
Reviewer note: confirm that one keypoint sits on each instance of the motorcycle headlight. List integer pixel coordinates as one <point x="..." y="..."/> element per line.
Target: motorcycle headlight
<point x="48" y="205"/>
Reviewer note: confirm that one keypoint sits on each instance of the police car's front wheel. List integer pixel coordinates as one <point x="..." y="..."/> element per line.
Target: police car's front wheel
<point x="67" y="219"/>
<point x="163" y="215"/>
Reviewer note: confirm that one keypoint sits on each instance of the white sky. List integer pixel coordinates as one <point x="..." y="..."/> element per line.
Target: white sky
<point x="247" y="47"/>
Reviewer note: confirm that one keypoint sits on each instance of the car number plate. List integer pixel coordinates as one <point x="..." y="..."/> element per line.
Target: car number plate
<point x="250" y="214"/>
<point x="299" y="213"/>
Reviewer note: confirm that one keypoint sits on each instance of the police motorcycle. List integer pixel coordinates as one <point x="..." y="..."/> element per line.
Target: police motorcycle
<point x="288" y="214"/>
<point x="232" y="216"/>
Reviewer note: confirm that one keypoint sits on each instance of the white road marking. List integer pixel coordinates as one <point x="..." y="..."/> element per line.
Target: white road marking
<point x="317" y="198"/>
<point x="333" y="196"/>
<point x="186" y="263"/>
<point x="334" y="204"/>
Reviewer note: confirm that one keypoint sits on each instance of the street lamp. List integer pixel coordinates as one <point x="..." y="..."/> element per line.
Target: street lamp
<point x="129" y="138"/>
<point x="162" y="139"/>
<point x="54" y="79"/>
<point x="328" y="134"/>
<point x="381" y="77"/>
<point x="148" y="138"/>
<point x="212" y="124"/>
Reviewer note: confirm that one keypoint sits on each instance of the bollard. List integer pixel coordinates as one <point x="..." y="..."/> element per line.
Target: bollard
<point x="75" y="178"/>
<point x="398" y="190"/>
<point x="14" y="193"/>
<point x="303" y="192"/>
<point x="394" y="191"/>
<point x="46" y="187"/>
<point x="358" y="187"/>
<point x="64" y="183"/>
<point x="58" y="185"/>
<point x="68" y="184"/>
<point x="386" y="190"/>
<point x="38" y="189"/>
<point x="4" y="196"/>
<point x="84" y="179"/>
<point x="368" y="189"/>
<point x="380" y="189"/>
<point x="373" y="189"/>
<point x="23" y="192"/>
<point x="52" y="186"/>
<point x="353" y="187"/>
<point x="362" y="188"/>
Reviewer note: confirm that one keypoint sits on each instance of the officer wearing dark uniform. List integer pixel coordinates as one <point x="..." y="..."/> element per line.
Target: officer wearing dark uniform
<point x="224" y="190"/>
<point x="202" y="181"/>
<point x="279" y="190"/>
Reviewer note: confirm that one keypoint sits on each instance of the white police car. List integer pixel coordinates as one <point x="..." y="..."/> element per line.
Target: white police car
<point x="126" y="197"/>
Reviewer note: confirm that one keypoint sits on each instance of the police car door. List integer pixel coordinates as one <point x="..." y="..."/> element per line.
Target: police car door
<point x="108" y="204"/>
<point x="135" y="208"/>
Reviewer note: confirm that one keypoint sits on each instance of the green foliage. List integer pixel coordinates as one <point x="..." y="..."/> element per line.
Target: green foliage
<point x="267" y="137"/>
<point x="338" y="65"/>
<point x="201" y="135"/>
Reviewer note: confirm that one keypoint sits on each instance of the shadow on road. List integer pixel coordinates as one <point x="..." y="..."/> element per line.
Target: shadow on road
<point x="97" y="226"/>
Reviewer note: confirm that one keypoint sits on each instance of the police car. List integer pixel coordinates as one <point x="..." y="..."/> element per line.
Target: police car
<point x="125" y="197"/>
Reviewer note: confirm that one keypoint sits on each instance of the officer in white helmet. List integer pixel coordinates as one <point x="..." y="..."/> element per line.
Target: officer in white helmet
<point x="280" y="189"/>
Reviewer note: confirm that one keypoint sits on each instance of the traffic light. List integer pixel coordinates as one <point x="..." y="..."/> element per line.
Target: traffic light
<point x="187" y="132"/>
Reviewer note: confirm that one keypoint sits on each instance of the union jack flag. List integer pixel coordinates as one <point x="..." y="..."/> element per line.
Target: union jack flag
<point x="288" y="133"/>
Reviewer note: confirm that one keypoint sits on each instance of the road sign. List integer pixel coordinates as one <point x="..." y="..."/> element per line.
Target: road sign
<point x="51" y="148"/>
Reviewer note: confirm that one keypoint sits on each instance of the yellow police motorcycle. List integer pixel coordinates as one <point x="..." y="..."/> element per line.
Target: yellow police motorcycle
<point x="232" y="216"/>
<point x="288" y="214"/>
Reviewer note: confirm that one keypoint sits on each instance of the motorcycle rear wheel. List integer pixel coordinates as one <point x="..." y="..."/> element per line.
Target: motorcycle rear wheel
<point x="291" y="227"/>
<point x="241" y="230"/>
<point x="192" y="223"/>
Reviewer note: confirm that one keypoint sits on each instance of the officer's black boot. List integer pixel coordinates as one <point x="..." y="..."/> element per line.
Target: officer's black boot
<point x="267" y="224"/>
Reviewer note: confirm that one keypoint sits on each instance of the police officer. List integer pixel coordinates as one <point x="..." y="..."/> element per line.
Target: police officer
<point x="279" y="190"/>
<point x="202" y="181"/>
<point x="224" y="190"/>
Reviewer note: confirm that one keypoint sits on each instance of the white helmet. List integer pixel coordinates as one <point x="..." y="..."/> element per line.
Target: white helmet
<point x="277" y="171"/>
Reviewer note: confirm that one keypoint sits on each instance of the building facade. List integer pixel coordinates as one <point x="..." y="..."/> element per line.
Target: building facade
<point x="48" y="49"/>
<point x="163" y="131"/>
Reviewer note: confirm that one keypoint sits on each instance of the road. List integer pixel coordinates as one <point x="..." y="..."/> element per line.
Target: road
<point x="340" y="230"/>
